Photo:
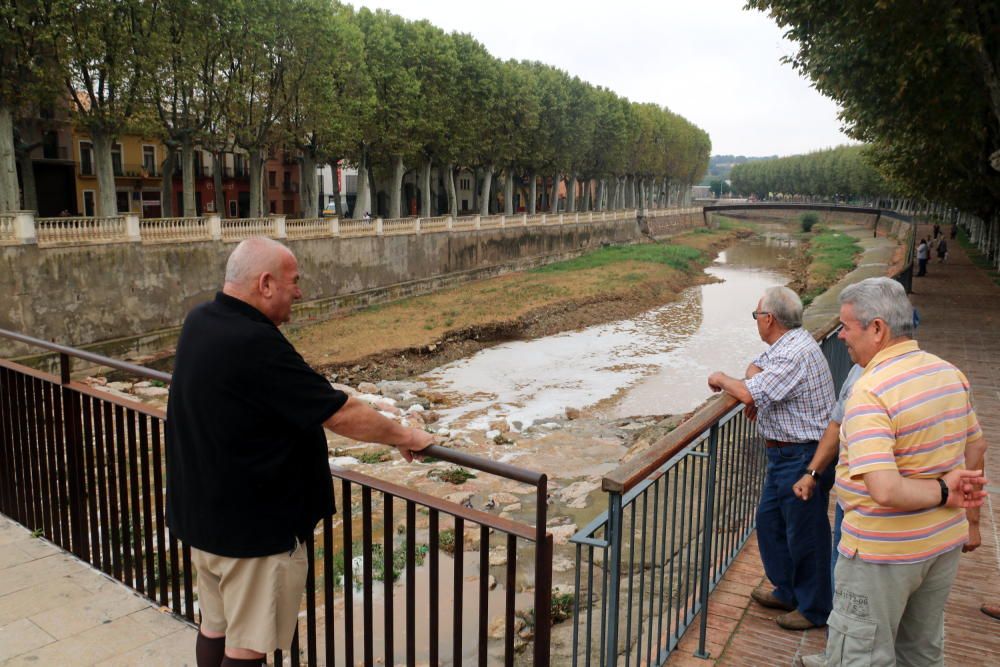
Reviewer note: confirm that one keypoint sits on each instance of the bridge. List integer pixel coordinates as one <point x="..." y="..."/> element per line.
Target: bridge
<point x="663" y="576"/>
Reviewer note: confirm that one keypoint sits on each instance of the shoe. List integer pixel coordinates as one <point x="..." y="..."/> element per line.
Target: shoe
<point x="768" y="599"/>
<point x="794" y="620"/>
<point x="814" y="660"/>
<point x="991" y="610"/>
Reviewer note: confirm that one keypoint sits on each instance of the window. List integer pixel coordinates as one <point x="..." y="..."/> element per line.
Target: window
<point x="88" y="203"/>
<point x="116" y="159"/>
<point x="464" y="184"/>
<point x="232" y="208"/>
<point x="288" y="181"/>
<point x="272" y="179"/>
<point x="288" y="206"/>
<point x="50" y="146"/>
<point x="274" y="204"/>
<point x="122" y="197"/>
<point x="465" y="204"/>
<point x="149" y="160"/>
<point x="86" y="158"/>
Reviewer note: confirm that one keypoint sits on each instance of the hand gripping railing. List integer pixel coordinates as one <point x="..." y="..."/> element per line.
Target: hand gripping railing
<point x="677" y="517"/>
<point x="85" y="469"/>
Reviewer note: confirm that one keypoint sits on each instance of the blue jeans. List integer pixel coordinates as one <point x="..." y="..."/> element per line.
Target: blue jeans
<point x="794" y="536"/>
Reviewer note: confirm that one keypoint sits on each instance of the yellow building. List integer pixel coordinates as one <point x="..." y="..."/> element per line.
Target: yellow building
<point x="136" y="164"/>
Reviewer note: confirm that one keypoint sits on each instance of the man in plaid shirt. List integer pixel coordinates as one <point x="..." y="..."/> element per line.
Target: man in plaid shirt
<point x="789" y="390"/>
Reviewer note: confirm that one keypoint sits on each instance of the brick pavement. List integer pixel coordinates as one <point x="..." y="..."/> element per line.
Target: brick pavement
<point x="960" y="321"/>
<point x="57" y="610"/>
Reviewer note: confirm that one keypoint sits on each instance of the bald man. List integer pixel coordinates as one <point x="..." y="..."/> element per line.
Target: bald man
<point x="247" y="471"/>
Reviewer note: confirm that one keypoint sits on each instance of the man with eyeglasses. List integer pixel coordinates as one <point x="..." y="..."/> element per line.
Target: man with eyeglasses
<point x="789" y="390"/>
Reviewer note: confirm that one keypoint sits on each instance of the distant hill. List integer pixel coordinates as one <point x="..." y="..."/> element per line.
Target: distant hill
<point x="719" y="166"/>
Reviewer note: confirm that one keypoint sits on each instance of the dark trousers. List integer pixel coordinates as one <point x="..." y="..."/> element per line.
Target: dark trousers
<point x="923" y="267"/>
<point x="794" y="536"/>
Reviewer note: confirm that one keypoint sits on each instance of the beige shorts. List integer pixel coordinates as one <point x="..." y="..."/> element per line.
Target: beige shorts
<point x="253" y="601"/>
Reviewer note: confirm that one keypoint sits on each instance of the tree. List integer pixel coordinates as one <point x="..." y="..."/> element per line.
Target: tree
<point x="916" y="80"/>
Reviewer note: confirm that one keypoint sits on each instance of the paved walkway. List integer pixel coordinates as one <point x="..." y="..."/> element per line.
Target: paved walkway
<point x="57" y="610"/>
<point x="960" y="321"/>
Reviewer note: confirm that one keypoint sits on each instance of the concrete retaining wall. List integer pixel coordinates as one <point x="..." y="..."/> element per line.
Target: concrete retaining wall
<point x="78" y="295"/>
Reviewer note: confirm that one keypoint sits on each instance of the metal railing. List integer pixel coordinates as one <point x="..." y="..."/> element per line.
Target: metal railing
<point x="677" y="517"/>
<point x="85" y="469"/>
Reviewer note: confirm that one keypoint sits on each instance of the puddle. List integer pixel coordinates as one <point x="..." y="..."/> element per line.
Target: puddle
<point x="655" y="363"/>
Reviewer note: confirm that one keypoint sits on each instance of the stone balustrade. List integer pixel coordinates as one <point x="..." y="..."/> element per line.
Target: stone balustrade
<point x="22" y="228"/>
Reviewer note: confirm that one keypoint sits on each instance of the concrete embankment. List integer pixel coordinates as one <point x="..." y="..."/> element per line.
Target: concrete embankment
<point x="133" y="296"/>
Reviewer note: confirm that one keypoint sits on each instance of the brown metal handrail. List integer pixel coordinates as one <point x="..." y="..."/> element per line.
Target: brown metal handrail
<point x="84" y="468"/>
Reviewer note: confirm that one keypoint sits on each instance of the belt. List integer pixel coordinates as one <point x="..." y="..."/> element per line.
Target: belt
<point x="778" y="443"/>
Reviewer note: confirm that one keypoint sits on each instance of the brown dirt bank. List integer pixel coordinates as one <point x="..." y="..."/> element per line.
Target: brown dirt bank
<point x="407" y="337"/>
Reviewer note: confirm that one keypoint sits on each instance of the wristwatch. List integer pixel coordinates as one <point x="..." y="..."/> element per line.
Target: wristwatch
<point x="944" y="492"/>
<point x="813" y="473"/>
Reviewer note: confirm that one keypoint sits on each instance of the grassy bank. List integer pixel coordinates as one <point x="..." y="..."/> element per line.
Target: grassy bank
<point x="977" y="258"/>
<point x="609" y="283"/>
<point x="831" y="254"/>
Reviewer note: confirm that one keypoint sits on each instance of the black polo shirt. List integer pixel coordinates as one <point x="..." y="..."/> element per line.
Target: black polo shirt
<point x="247" y="468"/>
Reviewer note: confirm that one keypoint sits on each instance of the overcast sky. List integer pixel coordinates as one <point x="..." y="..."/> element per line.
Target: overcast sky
<point x="708" y="60"/>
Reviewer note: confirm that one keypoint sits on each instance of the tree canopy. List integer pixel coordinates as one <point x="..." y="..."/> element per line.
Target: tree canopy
<point x="324" y="82"/>
<point x="845" y="172"/>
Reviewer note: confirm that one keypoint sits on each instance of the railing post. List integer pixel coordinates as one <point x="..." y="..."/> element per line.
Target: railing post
<point x="24" y="227"/>
<point x="378" y="227"/>
<point x="132" y="231"/>
<point x="708" y="536"/>
<point x="543" y="577"/>
<point x="450" y="223"/>
<point x="214" y="222"/>
<point x="503" y="220"/>
<point x="334" y="226"/>
<point x="478" y="221"/>
<point x="280" y="230"/>
<point x="614" y="576"/>
<point x="416" y="226"/>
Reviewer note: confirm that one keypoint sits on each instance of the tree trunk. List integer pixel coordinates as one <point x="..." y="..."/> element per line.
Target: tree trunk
<point x="308" y="198"/>
<point x="396" y="193"/>
<point x="554" y="200"/>
<point x="362" y="204"/>
<point x="107" y="202"/>
<point x="426" y="209"/>
<point x="599" y="200"/>
<point x="28" y="191"/>
<point x="508" y="193"/>
<point x="484" y="199"/>
<point x="341" y="210"/>
<point x="218" y="165"/>
<point x="449" y="184"/>
<point x="256" y="183"/>
<point x="167" y="184"/>
<point x="571" y="194"/>
<point x="8" y="163"/>
<point x="187" y="177"/>
<point x="588" y="195"/>
<point x="533" y="193"/>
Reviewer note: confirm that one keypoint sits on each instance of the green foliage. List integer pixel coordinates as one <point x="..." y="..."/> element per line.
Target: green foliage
<point x="808" y="220"/>
<point x="915" y="80"/>
<point x="374" y="456"/>
<point x="677" y="256"/>
<point x="446" y="541"/>
<point x="454" y="475"/>
<point x="845" y="172"/>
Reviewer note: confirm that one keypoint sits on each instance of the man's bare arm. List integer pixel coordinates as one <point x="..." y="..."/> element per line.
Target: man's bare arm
<point x="826" y="453"/>
<point x="357" y="421"/>
<point x="890" y="489"/>
<point x="975" y="459"/>
<point x="719" y="381"/>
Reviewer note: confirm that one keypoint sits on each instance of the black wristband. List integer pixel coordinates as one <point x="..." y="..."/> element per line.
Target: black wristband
<point x="813" y="473"/>
<point x="944" y="492"/>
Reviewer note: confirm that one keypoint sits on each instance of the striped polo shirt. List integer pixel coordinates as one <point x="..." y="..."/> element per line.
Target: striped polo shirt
<point x="910" y="411"/>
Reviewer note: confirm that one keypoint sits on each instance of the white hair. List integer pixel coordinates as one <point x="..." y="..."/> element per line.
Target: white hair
<point x="784" y="305"/>
<point x="253" y="257"/>
<point x="881" y="298"/>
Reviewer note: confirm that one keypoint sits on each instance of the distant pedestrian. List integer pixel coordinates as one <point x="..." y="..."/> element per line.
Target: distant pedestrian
<point x="923" y="254"/>
<point x="942" y="250"/>
<point x="954" y="230"/>
<point x="937" y="230"/>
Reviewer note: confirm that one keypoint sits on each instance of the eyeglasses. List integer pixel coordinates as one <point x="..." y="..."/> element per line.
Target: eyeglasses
<point x="755" y="313"/>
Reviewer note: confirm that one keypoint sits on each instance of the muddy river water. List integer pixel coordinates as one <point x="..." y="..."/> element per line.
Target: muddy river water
<point x="653" y="364"/>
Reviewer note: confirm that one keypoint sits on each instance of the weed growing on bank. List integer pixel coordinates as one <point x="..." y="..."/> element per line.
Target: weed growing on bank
<point x="831" y="255"/>
<point x="676" y="256"/>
